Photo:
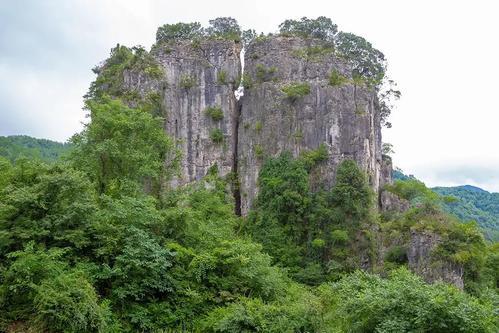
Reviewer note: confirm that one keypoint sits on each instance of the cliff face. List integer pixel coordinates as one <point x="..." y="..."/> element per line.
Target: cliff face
<point x="344" y="117"/>
<point x="196" y="77"/>
<point x="265" y="122"/>
<point x="199" y="77"/>
<point x="421" y="261"/>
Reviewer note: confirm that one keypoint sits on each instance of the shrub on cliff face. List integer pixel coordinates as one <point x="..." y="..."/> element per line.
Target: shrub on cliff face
<point x="296" y="90"/>
<point x="336" y="79"/>
<point x="214" y="112"/>
<point x="216" y="135"/>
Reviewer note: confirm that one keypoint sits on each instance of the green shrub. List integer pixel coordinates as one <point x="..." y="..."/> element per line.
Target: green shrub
<point x="311" y="158"/>
<point x="264" y="74"/>
<point x="258" y="151"/>
<point x="187" y="82"/>
<point x="247" y="81"/>
<point x="297" y="90"/>
<point x="215" y="113"/>
<point x="313" y="53"/>
<point x="216" y="135"/>
<point x="258" y="126"/>
<point x="336" y="79"/>
<point x="222" y="77"/>
<point x="179" y="31"/>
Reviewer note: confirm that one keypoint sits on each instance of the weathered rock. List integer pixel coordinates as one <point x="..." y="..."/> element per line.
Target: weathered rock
<point x="196" y="76"/>
<point x="193" y="83"/>
<point x="423" y="263"/>
<point x="345" y="118"/>
<point x="390" y="202"/>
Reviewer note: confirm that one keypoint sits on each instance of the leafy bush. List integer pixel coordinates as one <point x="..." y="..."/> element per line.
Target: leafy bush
<point x="216" y="135"/>
<point x="314" y="53"/>
<point x="215" y="113"/>
<point x="258" y="126"/>
<point x="296" y="90"/>
<point x="224" y="28"/>
<point x="404" y="303"/>
<point x="187" y="82"/>
<point x="264" y="74"/>
<point x="321" y="27"/>
<point x="336" y="79"/>
<point x="222" y="77"/>
<point x="258" y="151"/>
<point x="179" y="31"/>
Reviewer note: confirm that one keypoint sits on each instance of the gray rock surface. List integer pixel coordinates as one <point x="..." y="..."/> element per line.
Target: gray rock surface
<point x="423" y="263"/>
<point x="345" y="118"/>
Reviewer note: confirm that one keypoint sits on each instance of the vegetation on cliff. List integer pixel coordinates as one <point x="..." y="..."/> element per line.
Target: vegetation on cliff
<point x="98" y="242"/>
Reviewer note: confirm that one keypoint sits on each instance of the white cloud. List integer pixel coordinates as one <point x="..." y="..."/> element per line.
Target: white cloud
<point x="442" y="54"/>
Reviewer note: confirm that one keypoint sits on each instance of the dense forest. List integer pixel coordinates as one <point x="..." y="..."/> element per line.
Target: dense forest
<point x="98" y="242"/>
<point x="15" y="146"/>
<point x="469" y="203"/>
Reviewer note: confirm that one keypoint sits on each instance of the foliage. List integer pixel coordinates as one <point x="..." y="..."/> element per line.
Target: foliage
<point x="214" y="112"/>
<point x="179" y="31"/>
<point x="264" y="74"/>
<point x="321" y="27"/>
<point x="16" y="146"/>
<point x="296" y="90"/>
<point x="404" y="303"/>
<point x="224" y="28"/>
<point x="187" y="82"/>
<point x="121" y="145"/>
<point x="297" y="220"/>
<point x="314" y="53"/>
<point x="368" y="62"/>
<point x="259" y="151"/>
<point x="110" y="78"/>
<point x="216" y="135"/>
<point x="336" y="79"/>
<point x="222" y="77"/>
<point x="474" y="204"/>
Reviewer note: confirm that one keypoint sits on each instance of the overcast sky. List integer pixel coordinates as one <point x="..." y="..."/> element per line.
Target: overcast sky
<point x="443" y="54"/>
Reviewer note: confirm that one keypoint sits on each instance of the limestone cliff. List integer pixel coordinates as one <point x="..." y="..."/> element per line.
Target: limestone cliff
<point x="343" y="117"/>
<point x="264" y="122"/>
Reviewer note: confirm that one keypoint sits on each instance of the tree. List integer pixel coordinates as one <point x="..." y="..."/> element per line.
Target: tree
<point x="224" y="28"/>
<point x="368" y="62"/>
<point x="179" y="31"/>
<point x="321" y="27"/>
<point x="122" y="148"/>
<point x="351" y="193"/>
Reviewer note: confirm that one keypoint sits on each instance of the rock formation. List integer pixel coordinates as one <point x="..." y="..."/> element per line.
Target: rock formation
<point x="264" y="122"/>
<point x="343" y="117"/>
<point x="423" y="263"/>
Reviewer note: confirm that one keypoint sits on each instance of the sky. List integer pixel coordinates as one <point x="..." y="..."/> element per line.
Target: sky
<point x="443" y="55"/>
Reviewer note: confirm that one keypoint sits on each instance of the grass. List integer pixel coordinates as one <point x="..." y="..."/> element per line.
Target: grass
<point x="296" y="90"/>
<point x="214" y="112"/>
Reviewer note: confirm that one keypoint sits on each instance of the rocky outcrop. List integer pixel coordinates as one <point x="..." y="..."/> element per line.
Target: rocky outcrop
<point x="344" y="117"/>
<point x="196" y="76"/>
<point x="423" y="262"/>
<point x="199" y="76"/>
<point x="389" y="202"/>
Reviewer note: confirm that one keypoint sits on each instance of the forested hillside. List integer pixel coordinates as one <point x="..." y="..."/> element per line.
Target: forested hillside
<point x="101" y="241"/>
<point x="473" y="203"/>
<point x="15" y="146"/>
<point x="469" y="203"/>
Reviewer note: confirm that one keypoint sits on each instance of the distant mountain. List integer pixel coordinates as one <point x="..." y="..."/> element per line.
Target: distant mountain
<point x="472" y="203"/>
<point x="13" y="147"/>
